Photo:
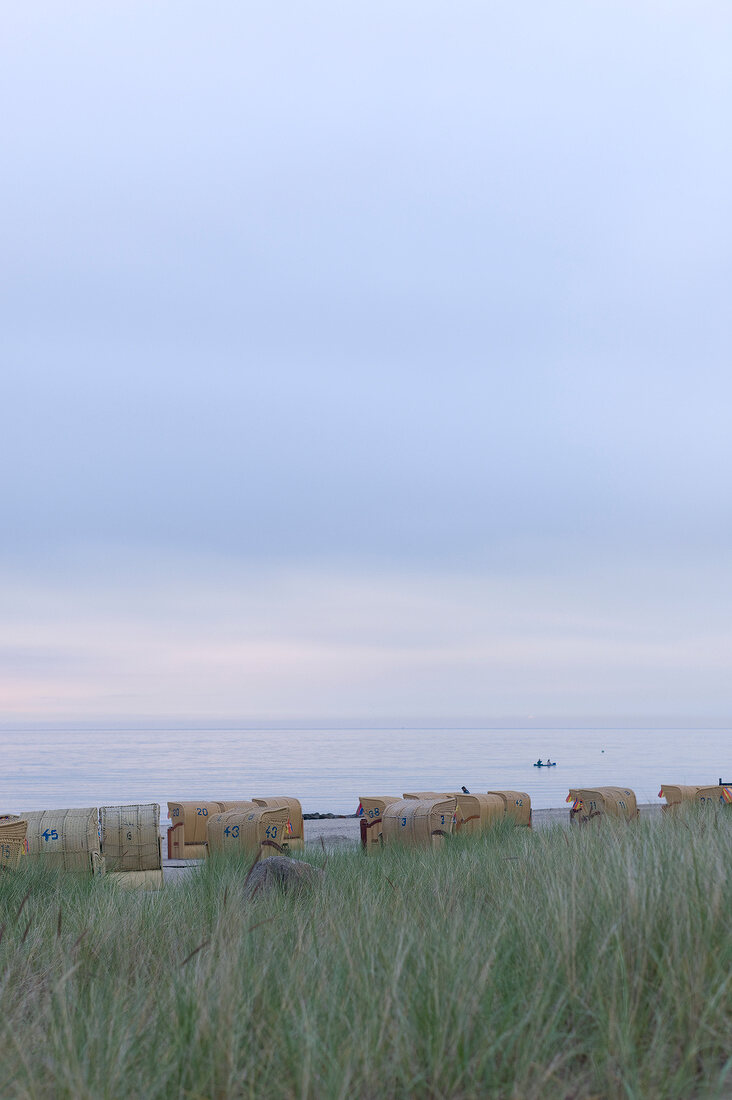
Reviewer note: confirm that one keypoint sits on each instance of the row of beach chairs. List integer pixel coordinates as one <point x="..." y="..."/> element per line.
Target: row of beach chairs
<point x="620" y="802"/>
<point x="420" y="817"/>
<point x="675" y="795"/>
<point x="125" y="842"/>
<point x="427" y="817"/>
<point x="269" y="826"/>
<point x="122" y="841"/>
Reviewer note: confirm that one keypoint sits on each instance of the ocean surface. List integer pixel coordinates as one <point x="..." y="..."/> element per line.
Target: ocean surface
<point x="328" y="769"/>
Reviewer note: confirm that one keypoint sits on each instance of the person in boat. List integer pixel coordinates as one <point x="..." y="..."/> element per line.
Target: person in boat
<point x="548" y="762"/>
<point x="538" y="763"/>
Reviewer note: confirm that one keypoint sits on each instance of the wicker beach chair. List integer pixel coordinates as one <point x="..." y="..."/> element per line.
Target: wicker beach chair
<point x="260" y="831"/>
<point x="13" y="843"/>
<point x="131" y="844"/>
<point x="719" y="795"/>
<point x="418" y="822"/>
<point x="371" y="811"/>
<point x="296" y="826"/>
<point x="187" y="833"/>
<point x="517" y="806"/>
<point x="675" y="794"/>
<point x="594" y="803"/>
<point x="476" y="812"/>
<point x="67" y="839"/>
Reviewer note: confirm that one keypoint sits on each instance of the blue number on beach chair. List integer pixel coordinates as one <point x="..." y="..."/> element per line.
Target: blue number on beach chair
<point x="404" y="822"/>
<point x="50" y="834"/>
<point x="201" y="811"/>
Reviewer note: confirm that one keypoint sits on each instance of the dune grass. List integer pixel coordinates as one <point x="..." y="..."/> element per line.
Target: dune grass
<point x="594" y="963"/>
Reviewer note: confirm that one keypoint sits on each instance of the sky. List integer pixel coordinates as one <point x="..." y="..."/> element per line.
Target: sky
<point x="365" y="360"/>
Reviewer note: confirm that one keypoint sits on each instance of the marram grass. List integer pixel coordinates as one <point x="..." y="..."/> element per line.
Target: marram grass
<point x="590" y="963"/>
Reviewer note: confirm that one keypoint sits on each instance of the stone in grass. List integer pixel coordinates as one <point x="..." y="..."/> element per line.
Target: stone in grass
<point x="292" y="875"/>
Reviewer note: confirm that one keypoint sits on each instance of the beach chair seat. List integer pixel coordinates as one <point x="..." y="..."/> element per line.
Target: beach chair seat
<point x="370" y="811"/>
<point x="296" y="824"/>
<point x="261" y="831"/>
<point x="517" y="806"/>
<point x="131" y="844"/>
<point x="418" y="822"/>
<point x="594" y="803"/>
<point x="65" y="839"/>
<point x="13" y="843"/>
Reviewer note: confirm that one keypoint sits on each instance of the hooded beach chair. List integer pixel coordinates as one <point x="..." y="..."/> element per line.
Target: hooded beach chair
<point x="517" y="806"/>
<point x="296" y="825"/>
<point x="594" y="803"/>
<point x="418" y="822"/>
<point x="675" y="794"/>
<point x="720" y="795"/>
<point x="65" y="839"/>
<point x="476" y="812"/>
<point x="187" y="833"/>
<point x="371" y="811"/>
<point x="131" y="844"/>
<point x="13" y="842"/>
<point x="261" y="831"/>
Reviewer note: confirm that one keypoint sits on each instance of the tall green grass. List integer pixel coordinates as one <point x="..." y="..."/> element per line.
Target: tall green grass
<point x="594" y="963"/>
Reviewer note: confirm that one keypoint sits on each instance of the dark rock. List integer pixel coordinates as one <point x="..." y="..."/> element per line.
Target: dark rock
<point x="278" y="872"/>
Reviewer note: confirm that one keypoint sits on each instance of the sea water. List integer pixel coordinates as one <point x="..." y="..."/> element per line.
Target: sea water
<point x="328" y="769"/>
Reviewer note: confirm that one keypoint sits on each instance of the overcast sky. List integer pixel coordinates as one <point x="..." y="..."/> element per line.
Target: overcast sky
<point x="365" y="360"/>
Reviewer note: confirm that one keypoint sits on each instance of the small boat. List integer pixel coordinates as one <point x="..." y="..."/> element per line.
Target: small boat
<point x="539" y="764"/>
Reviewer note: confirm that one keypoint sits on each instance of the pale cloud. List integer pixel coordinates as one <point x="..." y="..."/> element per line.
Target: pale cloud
<point x="365" y="360"/>
<point x="212" y="641"/>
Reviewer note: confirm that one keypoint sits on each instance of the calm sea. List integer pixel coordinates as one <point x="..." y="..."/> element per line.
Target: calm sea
<point x="329" y="768"/>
